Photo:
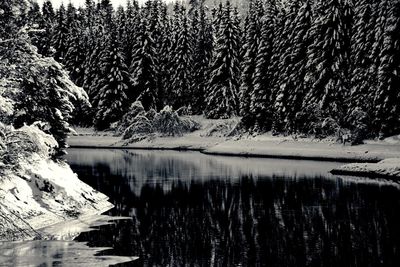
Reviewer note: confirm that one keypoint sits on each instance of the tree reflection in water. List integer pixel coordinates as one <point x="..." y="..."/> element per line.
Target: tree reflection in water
<point x="269" y="221"/>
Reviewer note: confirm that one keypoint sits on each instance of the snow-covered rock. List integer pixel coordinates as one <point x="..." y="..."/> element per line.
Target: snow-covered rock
<point x="41" y="193"/>
<point x="35" y="190"/>
<point x="389" y="168"/>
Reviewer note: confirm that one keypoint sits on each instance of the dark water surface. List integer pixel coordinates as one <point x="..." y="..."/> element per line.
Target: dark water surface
<point x="190" y="209"/>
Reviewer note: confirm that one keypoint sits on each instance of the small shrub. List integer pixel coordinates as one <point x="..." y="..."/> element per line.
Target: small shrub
<point x="24" y="142"/>
<point x="140" y="125"/>
<point x="127" y="120"/>
<point x="168" y="123"/>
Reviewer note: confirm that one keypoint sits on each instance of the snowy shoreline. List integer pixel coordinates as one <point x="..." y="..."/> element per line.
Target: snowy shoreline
<point x="41" y="194"/>
<point x="369" y="154"/>
<point x="261" y="146"/>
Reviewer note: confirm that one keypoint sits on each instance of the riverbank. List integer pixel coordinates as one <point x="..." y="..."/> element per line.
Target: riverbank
<point x="41" y="193"/>
<point x="263" y="146"/>
<point x="266" y="146"/>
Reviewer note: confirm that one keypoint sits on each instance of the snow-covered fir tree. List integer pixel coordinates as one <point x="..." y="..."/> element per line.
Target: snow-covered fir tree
<point x="74" y="58"/>
<point x="44" y="23"/>
<point x="201" y="32"/>
<point x="60" y="35"/>
<point x="387" y="96"/>
<point x="111" y="98"/>
<point x="182" y="65"/>
<point x="129" y="29"/>
<point x="289" y="98"/>
<point x="261" y="95"/>
<point x="328" y="61"/>
<point x="251" y="42"/>
<point x="363" y="69"/>
<point x="143" y="70"/>
<point x="222" y="97"/>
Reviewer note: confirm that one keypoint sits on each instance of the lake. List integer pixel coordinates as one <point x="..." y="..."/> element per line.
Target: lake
<point x="191" y="209"/>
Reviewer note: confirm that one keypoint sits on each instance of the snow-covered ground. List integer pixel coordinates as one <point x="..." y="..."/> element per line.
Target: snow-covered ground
<point x="389" y="168"/>
<point x="211" y="139"/>
<point x="41" y="193"/>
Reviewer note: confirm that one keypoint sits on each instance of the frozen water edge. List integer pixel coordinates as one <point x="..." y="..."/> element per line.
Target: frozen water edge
<point x="43" y="193"/>
<point x="388" y="168"/>
<point x="55" y="253"/>
<point x="44" y="201"/>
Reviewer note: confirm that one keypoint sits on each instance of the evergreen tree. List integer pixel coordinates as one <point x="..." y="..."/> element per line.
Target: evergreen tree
<point x="202" y="52"/>
<point x="165" y="55"/>
<point x="222" y="96"/>
<point x="13" y="16"/>
<point x="46" y="25"/>
<point x="260" y="105"/>
<point x="363" y="70"/>
<point x="142" y="69"/>
<point x="182" y="66"/>
<point x="60" y="35"/>
<point x="251" y="42"/>
<point x="288" y="103"/>
<point x="34" y="14"/>
<point x="112" y="97"/>
<point x="75" y="57"/>
<point x="130" y="29"/>
<point x="328" y="64"/>
<point x="387" y="97"/>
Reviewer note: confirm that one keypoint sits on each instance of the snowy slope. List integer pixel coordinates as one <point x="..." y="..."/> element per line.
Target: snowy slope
<point x="41" y="193"/>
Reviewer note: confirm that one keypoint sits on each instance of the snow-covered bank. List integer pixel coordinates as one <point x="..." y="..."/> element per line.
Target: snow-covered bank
<point x="388" y="168"/>
<point x="43" y="193"/>
<point x="210" y="140"/>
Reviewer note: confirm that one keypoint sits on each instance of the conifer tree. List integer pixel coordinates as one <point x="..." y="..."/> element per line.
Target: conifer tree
<point x="288" y="103"/>
<point x="328" y="64"/>
<point x="60" y="35"/>
<point x="47" y="24"/>
<point x="202" y="52"/>
<point x="165" y="55"/>
<point x="251" y="42"/>
<point x="363" y="71"/>
<point x="387" y="97"/>
<point x="260" y="105"/>
<point x="75" y="56"/>
<point x="222" y="96"/>
<point x="112" y="97"/>
<point x="182" y="66"/>
<point x="42" y="22"/>
<point x="142" y="69"/>
<point x="130" y="29"/>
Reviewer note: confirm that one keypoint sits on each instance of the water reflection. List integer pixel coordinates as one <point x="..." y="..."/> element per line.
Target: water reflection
<point x="53" y="253"/>
<point x="209" y="211"/>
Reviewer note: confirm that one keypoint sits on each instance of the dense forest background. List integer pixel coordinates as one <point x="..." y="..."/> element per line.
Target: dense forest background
<point x="300" y="66"/>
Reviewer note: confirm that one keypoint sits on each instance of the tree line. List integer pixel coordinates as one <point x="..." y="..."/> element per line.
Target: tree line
<point x="301" y="66"/>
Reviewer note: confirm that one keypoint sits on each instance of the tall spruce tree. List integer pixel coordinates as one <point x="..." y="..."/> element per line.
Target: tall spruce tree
<point x="387" y="97"/>
<point x="130" y="29"/>
<point x="251" y="42"/>
<point x="60" y="35"/>
<point x="75" y="56"/>
<point x="142" y="69"/>
<point x="182" y="65"/>
<point x="260" y="105"/>
<point x="202" y="52"/>
<point x="289" y="100"/>
<point x="328" y="61"/>
<point x="113" y="86"/>
<point x="44" y="22"/>
<point x="363" y="69"/>
<point x="222" y="97"/>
